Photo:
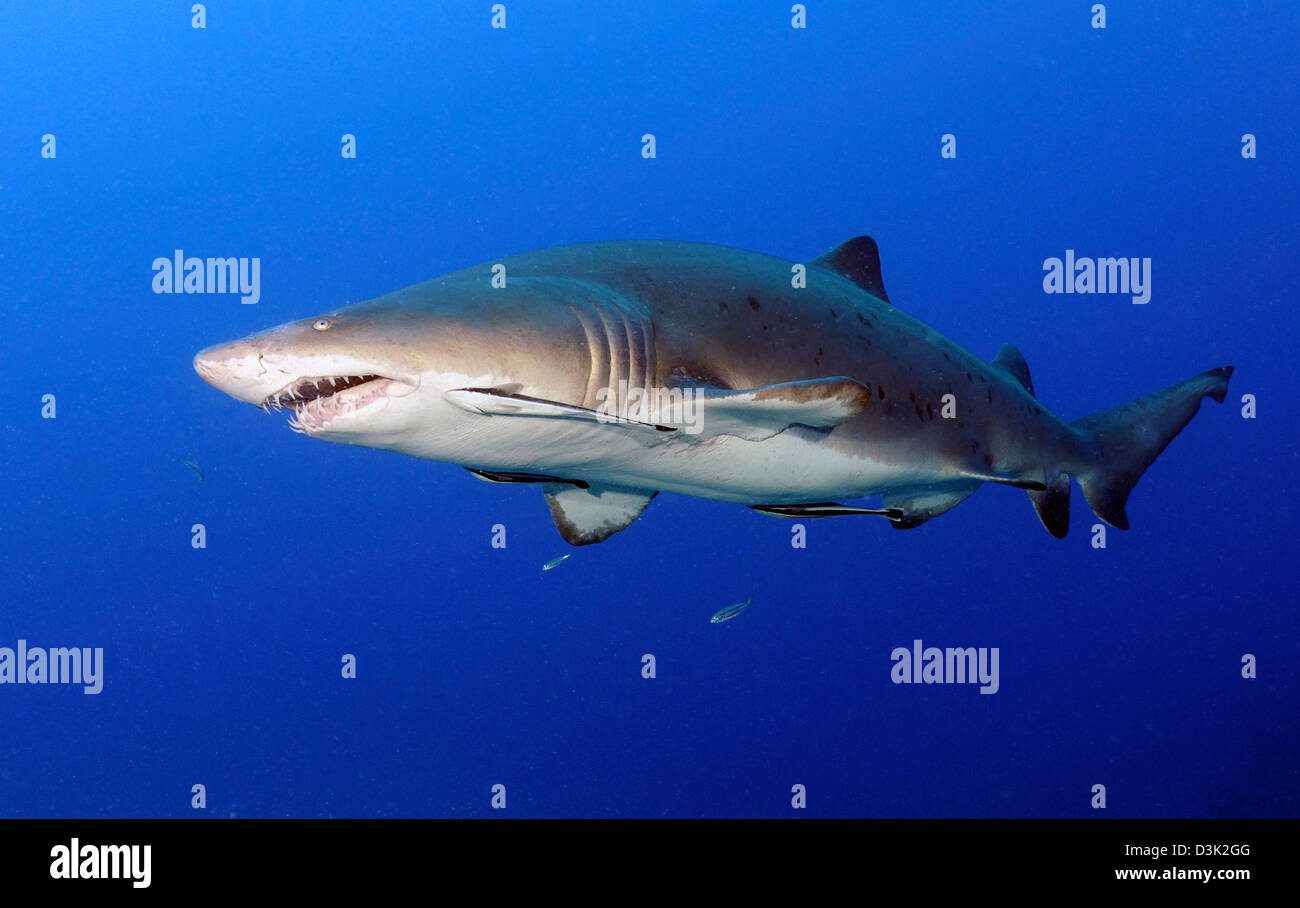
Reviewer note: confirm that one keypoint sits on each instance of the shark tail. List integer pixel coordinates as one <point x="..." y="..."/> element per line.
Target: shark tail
<point x="1123" y="441"/>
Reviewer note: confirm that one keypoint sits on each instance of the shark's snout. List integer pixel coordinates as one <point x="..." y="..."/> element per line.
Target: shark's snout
<point x="208" y="367"/>
<point x="234" y="369"/>
<point x="322" y="390"/>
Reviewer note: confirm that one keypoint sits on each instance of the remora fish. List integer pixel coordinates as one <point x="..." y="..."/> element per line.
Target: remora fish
<point x="730" y="612"/>
<point x="804" y="396"/>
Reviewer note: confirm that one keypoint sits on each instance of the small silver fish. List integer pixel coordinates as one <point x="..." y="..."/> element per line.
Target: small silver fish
<point x="195" y="467"/>
<point x="556" y="562"/>
<point x="730" y="612"/>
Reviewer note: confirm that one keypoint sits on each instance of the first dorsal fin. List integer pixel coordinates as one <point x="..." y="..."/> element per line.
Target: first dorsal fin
<point x="1011" y="362"/>
<point x="858" y="260"/>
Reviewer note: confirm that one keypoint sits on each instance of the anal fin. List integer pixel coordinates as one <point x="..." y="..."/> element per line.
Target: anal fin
<point x="1053" y="505"/>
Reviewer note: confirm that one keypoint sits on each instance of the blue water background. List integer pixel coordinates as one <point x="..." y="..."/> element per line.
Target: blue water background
<point x="1118" y="667"/>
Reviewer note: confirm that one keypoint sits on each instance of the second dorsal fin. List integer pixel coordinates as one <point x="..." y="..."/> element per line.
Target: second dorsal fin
<point x="858" y="260"/>
<point x="1011" y="362"/>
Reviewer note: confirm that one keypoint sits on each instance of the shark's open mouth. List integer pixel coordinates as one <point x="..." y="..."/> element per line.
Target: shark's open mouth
<point x="317" y="402"/>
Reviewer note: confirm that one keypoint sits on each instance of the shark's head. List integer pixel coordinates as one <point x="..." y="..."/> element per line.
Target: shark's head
<point x="338" y="374"/>
<point x="374" y="373"/>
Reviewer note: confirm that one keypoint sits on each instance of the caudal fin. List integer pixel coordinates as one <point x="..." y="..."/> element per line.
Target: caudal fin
<point x="1125" y="440"/>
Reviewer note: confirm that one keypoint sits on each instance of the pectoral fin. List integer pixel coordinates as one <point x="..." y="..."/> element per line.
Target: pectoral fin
<point x="752" y="413"/>
<point x="758" y="413"/>
<point x="501" y="402"/>
<point x="585" y="516"/>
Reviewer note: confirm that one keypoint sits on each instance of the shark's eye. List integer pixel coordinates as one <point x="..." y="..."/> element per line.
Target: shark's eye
<point x="323" y="324"/>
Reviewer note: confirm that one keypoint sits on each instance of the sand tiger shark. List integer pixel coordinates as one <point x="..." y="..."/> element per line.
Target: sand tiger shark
<point x="606" y="373"/>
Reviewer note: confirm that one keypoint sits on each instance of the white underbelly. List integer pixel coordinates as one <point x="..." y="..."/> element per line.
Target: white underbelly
<point x="797" y="465"/>
<point x="784" y="469"/>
